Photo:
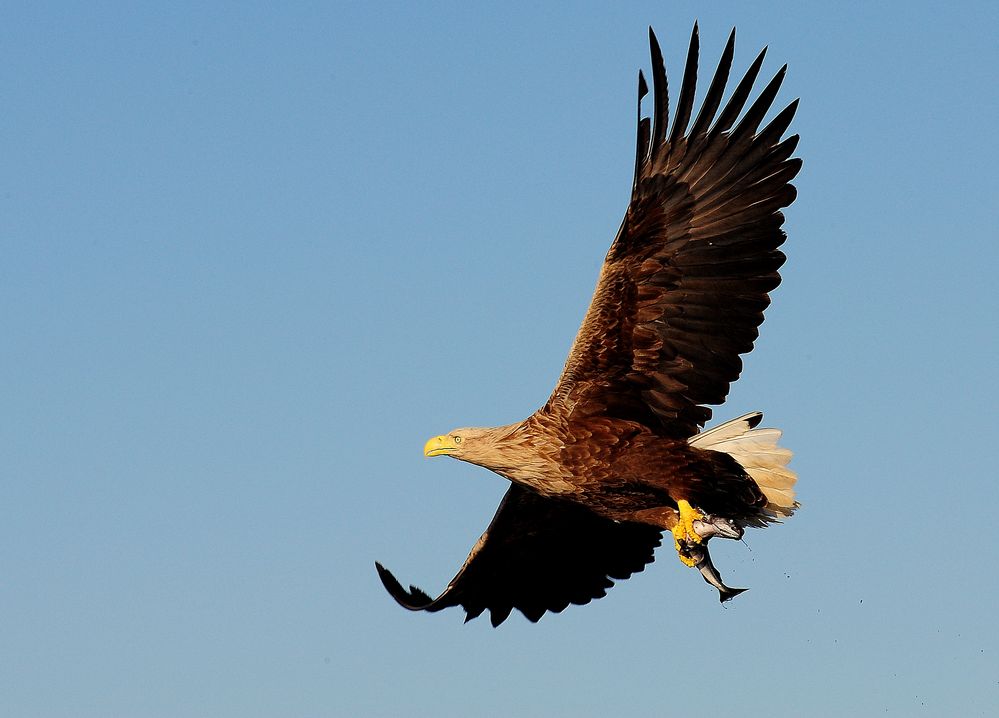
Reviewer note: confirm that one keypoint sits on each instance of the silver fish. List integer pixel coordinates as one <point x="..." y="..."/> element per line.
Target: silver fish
<point x="707" y="528"/>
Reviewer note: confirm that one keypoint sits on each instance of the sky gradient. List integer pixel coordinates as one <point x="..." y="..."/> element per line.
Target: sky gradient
<point x="254" y="258"/>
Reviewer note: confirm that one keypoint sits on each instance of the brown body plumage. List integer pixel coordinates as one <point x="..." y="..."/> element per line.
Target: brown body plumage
<point x="618" y="469"/>
<point x="616" y="455"/>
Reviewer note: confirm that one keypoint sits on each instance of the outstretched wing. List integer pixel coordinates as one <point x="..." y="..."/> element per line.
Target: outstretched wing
<point x="537" y="555"/>
<point x="683" y="288"/>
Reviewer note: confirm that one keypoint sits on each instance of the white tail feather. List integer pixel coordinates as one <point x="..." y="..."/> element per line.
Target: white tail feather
<point x="757" y="452"/>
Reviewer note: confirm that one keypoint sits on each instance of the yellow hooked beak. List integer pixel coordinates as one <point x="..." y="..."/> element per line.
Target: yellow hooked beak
<point x="440" y="446"/>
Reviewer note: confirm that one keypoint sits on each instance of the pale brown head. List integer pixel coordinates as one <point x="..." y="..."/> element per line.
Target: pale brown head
<point x="513" y="451"/>
<point x="475" y="445"/>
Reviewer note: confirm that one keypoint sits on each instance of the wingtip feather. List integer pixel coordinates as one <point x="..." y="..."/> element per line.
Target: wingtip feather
<point x="660" y="98"/>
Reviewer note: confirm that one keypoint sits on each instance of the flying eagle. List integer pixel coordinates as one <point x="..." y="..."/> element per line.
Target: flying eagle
<point x="617" y="454"/>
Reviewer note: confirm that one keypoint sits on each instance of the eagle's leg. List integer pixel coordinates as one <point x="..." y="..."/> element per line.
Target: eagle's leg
<point x="683" y="532"/>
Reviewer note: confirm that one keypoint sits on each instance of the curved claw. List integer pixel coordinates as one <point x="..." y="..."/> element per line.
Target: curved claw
<point x="684" y="534"/>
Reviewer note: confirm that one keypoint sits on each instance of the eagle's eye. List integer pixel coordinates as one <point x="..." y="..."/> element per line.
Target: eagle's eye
<point x="457" y="439"/>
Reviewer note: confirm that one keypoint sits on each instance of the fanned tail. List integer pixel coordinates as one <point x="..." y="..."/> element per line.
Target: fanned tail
<point x="757" y="452"/>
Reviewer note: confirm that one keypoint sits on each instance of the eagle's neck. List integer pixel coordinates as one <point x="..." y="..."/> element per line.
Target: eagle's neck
<point x="521" y="454"/>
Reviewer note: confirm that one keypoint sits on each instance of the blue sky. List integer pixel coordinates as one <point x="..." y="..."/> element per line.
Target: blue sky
<point x="253" y="258"/>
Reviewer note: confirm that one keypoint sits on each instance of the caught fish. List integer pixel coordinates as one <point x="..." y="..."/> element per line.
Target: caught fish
<point x="707" y="528"/>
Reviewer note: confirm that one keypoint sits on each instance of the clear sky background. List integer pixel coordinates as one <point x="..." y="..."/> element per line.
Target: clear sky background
<point x="252" y="258"/>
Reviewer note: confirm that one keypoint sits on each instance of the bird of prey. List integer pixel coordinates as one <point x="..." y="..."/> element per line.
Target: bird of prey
<point x="618" y="454"/>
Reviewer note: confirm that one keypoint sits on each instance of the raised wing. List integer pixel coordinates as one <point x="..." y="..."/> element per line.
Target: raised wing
<point x="537" y="555"/>
<point x="683" y="288"/>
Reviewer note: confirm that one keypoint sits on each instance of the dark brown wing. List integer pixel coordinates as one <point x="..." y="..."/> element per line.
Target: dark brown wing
<point x="537" y="555"/>
<point x="683" y="288"/>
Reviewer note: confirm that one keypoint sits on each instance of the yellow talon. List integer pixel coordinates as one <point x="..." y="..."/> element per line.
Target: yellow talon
<point x="684" y="532"/>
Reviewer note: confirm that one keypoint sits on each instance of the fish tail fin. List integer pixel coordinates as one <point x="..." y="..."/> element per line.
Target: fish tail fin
<point x="727" y="594"/>
<point x="757" y="452"/>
